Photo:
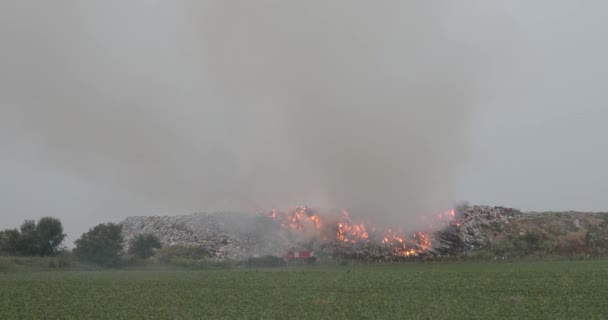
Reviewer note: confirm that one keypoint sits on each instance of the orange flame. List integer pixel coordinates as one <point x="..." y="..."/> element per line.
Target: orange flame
<point x="347" y="231"/>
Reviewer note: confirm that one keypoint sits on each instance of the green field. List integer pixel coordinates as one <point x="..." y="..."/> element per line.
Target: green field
<point x="532" y="290"/>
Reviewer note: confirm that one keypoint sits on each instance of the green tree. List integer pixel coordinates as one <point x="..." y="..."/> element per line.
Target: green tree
<point x="50" y="236"/>
<point x="9" y="241"/>
<point x="32" y="239"/>
<point x="143" y="245"/>
<point x="102" y="245"/>
<point x="3" y="242"/>
<point x="28" y="241"/>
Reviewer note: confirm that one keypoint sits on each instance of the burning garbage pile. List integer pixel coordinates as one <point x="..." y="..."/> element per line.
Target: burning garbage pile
<point x="273" y="233"/>
<point x="340" y="235"/>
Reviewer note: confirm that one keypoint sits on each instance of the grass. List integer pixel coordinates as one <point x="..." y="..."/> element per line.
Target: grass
<point x="530" y="290"/>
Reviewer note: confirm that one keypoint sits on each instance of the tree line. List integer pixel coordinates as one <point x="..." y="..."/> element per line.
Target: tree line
<point x="42" y="238"/>
<point x="102" y="245"/>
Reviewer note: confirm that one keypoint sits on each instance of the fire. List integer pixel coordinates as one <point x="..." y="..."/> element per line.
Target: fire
<point x="299" y="218"/>
<point x="349" y="231"/>
<point x="343" y="230"/>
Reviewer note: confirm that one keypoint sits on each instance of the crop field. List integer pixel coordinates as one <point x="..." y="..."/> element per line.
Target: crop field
<point x="532" y="290"/>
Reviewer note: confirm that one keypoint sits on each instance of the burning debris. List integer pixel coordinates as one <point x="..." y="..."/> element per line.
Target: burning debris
<point x="241" y="236"/>
<point x="349" y="238"/>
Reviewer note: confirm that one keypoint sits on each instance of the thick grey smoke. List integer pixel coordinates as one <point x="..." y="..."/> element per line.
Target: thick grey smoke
<point x="244" y="105"/>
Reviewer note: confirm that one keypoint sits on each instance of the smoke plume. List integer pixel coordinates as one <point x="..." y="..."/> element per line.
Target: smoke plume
<point x="244" y="105"/>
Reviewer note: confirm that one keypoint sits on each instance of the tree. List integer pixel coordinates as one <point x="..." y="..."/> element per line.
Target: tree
<point x="9" y="241"/>
<point x="102" y="245"/>
<point x="3" y="242"/>
<point x="50" y="236"/>
<point x="32" y="239"/>
<point x="28" y="241"/>
<point x="143" y="245"/>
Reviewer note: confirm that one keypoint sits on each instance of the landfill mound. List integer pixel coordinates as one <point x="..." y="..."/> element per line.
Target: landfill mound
<point x="240" y="236"/>
<point x="222" y="235"/>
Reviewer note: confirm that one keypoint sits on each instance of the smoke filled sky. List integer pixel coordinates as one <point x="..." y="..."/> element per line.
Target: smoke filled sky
<point x="118" y="108"/>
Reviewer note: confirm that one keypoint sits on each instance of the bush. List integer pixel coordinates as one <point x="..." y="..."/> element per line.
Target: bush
<point x="102" y="245"/>
<point x="143" y="245"/>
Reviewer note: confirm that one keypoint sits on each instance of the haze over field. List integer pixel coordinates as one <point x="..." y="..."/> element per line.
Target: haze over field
<point x="111" y="109"/>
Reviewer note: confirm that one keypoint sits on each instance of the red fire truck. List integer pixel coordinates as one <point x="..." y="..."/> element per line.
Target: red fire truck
<point x="295" y="255"/>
